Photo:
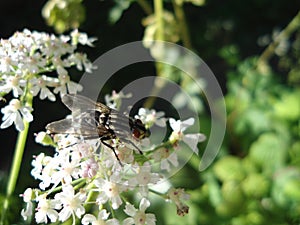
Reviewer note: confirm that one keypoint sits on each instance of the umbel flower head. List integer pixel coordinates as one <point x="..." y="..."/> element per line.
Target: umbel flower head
<point x="26" y="60"/>
<point x="78" y="176"/>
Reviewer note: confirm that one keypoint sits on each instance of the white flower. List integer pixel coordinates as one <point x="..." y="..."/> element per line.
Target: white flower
<point x="66" y="85"/>
<point x="39" y="85"/>
<point x="139" y="217"/>
<point x="67" y="171"/>
<point x="82" y="38"/>
<point x="150" y="117"/>
<point x="81" y="61"/>
<point x="165" y="157"/>
<point x="27" y="197"/>
<point x="89" y="168"/>
<point x="71" y="203"/>
<point x="114" y="100"/>
<point x="110" y="190"/>
<point x="12" y="83"/>
<point x="144" y="177"/>
<point x="14" y="112"/>
<point x="45" y="209"/>
<point x="178" y="195"/>
<point x="102" y="219"/>
<point x="6" y="63"/>
<point x="178" y="133"/>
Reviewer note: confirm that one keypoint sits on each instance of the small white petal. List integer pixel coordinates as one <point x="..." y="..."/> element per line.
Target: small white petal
<point x="128" y="221"/>
<point x="27" y="212"/>
<point x="88" y="218"/>
<point x="116" y="202"/>
<point x="64" y="214"/>
<point x="26" y="114"/>
<point x="53" y="215"/>
<point x="187" y="123"/>
<point x="79" y="211"/>
<point x="112" y="222"/>
<point x="144" y="204"/>
<point x="9" y="120"/>
<point x="130" y="210"/>
<point x="175" y="125"/>
<point x="103" y="214"/>
<point x="150" y="219"/>
<point x="34" y="90"/>
<point x="192" y="140"/>
<point x="19" y="122"/>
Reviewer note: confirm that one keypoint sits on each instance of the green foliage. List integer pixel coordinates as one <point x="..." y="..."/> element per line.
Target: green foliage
<point x="258" y="179"/>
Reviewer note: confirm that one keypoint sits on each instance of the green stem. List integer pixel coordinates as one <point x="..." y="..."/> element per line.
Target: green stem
<point x="180" y="17"/>
<point x="284" y="34"/>
<point x="15" y="169"/>
<point x="17" y="161"/>
<point x="159" y="17"/>
<point x="145" y="6"/>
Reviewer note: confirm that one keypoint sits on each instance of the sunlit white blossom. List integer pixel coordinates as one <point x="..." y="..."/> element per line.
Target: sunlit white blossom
<point x="150" y="117"/>
<point x="144" y="177"/>
<point x="178" y="133"/>
<point x="110" y="190"/>
<point x="12" y="83"/>
<point x="15" y="113"/>
<point x="46" y="209"/>
<point x="39" y="86"/>
<point x="66" y="84"/>
<point x="138" y="216"/>
<point x="71" y="204"/>
<point x="26" y="57"/>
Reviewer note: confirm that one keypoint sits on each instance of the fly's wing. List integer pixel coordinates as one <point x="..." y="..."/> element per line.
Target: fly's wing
<point x="83" y="121"/>
<point x="72" y="126"/>
<point x="120" y="124"/>
<point x="79" y="104"/>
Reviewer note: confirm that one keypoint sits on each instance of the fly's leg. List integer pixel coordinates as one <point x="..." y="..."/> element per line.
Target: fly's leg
<point x="112" y="148"/>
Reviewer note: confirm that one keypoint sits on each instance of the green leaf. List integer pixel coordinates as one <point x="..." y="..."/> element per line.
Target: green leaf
<point x="288" y="107"/>
<point x="269" y="152"/>
<point x="286" y="188"/>
<point x="229" y="168"/>
<point x="256" y="185"/>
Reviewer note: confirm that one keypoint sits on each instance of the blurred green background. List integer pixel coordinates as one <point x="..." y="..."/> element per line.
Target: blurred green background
<point x="255" y="178"/>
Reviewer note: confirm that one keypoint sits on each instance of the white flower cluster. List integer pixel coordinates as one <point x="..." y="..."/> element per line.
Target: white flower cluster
<point x="83" y="184"/>
<point x="27" y="62"/>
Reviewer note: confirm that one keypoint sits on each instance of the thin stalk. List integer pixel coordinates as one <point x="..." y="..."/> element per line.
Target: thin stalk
<point x="284" y="34"/>
<point x="15" y="169"/>
<point x="159" y="18"/>
<point x="145" y="6"/>
<point x="17" y="160"/>
<point x="183" y="28"/>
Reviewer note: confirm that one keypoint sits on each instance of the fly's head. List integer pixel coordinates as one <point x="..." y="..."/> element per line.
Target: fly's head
<point x="138" y="129"/>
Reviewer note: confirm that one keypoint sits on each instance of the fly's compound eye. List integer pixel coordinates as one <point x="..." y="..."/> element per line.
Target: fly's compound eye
<point x="138" y="130"/>
<point x="136" y="133"/>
